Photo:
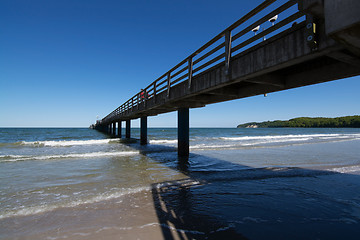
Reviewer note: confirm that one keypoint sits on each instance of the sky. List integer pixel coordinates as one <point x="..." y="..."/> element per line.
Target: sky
<point x="63" y="63"/>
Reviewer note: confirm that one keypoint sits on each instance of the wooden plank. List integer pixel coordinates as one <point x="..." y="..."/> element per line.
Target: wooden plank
<point x="209" y="62"/>
<point x="179" y="79"/>
<point x="178" y="72"/>
<point x="209" y="53"/>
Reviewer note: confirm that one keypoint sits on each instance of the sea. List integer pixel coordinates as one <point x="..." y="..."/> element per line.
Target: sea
<point x="270" y="183"/>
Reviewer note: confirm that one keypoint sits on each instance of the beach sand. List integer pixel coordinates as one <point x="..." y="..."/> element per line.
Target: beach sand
<point x="129" y="217"/>
<point x="144" y="215"/>
<point x="295" y="207"/>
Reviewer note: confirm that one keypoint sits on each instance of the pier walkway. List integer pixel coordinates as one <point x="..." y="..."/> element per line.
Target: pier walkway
<point x="272" y="48"/>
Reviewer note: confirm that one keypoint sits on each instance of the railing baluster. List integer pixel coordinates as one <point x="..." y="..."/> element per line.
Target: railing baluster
<point x="168" y="83"/>
<point x="138" y="101"/>
<point x="190" y="71"/>
<point x="227" y="52"/>
<point x="154" y="91"/>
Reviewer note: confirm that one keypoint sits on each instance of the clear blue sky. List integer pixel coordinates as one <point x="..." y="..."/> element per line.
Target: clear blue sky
<point x="62" y="63"/>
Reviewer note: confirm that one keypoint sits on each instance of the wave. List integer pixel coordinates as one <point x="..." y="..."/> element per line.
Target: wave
<point x="61" y="143"/>
<point x="278" y="140"/>
<point x="47" y="208"/>
<point x="181" y="183"/>
<point x="199" y="143"/>
<point x="292" y="136"/>
<point x="15" y="158"/>
<point x="163" y="141"/>
<point x="69" y="143"/>
<point x="346" y="169"/>
<point x="244" y="144"/>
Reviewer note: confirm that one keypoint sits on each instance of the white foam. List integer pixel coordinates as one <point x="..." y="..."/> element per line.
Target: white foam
<point x="46" y="208"/>
<point x="163" y="141"/>
<point x="347" y="169"/>
<point x="247" y="144"/>
<point x="292" y="136"/>
<point x="203" y="146"/>
<point x="248" y="141"/>
<point x="277" y="141"/>
<point x="15" y="158"/>
<point x="71" y="142"/>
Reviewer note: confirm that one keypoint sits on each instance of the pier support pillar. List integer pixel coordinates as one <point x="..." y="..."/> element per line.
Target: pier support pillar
<point x="143" y="130"/>
<point x="183" y="132"/>
<point x="128" y="127"/>
<point x="110" y="129"/>
<point x="119" y="129"/>
<point x="114" y="129"/>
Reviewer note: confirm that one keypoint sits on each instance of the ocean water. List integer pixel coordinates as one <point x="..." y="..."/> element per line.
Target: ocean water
<point x="62" y="183"/>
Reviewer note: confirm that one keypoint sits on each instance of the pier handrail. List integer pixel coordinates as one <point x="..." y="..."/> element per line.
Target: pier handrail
<point x="190" y="67"/>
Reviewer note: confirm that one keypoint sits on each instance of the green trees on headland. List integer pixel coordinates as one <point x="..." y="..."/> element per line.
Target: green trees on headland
<point x="306" y="122"/>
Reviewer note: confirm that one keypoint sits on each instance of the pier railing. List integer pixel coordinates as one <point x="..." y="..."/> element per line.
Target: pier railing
<point x="266" y="20"/>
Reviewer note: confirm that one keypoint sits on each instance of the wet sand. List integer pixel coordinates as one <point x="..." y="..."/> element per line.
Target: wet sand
<point x="295" y="207"/>
<point x="143" y="215"/>
<point x="130" y="217"/>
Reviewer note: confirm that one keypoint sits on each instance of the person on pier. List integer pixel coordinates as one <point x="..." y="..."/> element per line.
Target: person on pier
<point x="143" y="95"/>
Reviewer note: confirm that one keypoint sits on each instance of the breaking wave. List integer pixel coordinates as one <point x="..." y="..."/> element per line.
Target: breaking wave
<point x="293" y="137"/>
<point x="71" y="142"/>
<point x="181" y="183"/>
<point x="15" y="158"/>
<point x="276" y="140"/>
<point x="46" y="208"/>
<point x="163" y="141"/>
<point x="346" y="169"/>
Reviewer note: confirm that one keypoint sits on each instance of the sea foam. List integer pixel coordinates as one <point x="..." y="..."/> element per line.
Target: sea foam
<point x="15" y="158"/>
<point x="292" y="136"/>
<point x="346" y="169"/>
<point x="71" y="142"/>
<point x="164" y="141"/>
<point x="26" y="211"/>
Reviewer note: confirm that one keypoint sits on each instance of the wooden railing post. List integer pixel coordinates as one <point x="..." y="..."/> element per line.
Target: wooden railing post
<point x="145" y="97"/>
<point x="168" y="83"/>
<point x="154" y="91"/>
<point x="138" y="101"/>
<point x="190" y="70"/>
<point x="227" y="52"/>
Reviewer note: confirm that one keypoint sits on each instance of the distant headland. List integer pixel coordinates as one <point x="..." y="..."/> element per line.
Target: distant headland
<point x="307" y="122"/>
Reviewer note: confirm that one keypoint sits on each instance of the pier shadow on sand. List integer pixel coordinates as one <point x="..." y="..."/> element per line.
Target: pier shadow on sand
<point x="224" y="200"/>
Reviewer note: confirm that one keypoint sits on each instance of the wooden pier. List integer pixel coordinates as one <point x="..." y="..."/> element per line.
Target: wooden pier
<point x="309" y="42"/>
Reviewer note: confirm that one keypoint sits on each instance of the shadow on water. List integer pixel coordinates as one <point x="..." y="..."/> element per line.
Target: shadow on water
<point x="223" y="200"/>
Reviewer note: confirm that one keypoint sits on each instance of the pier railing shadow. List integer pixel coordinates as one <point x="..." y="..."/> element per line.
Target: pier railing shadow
<point x="204" y="206"/>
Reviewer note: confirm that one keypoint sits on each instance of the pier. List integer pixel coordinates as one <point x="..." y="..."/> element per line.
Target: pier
<point x="270" y="49"/>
